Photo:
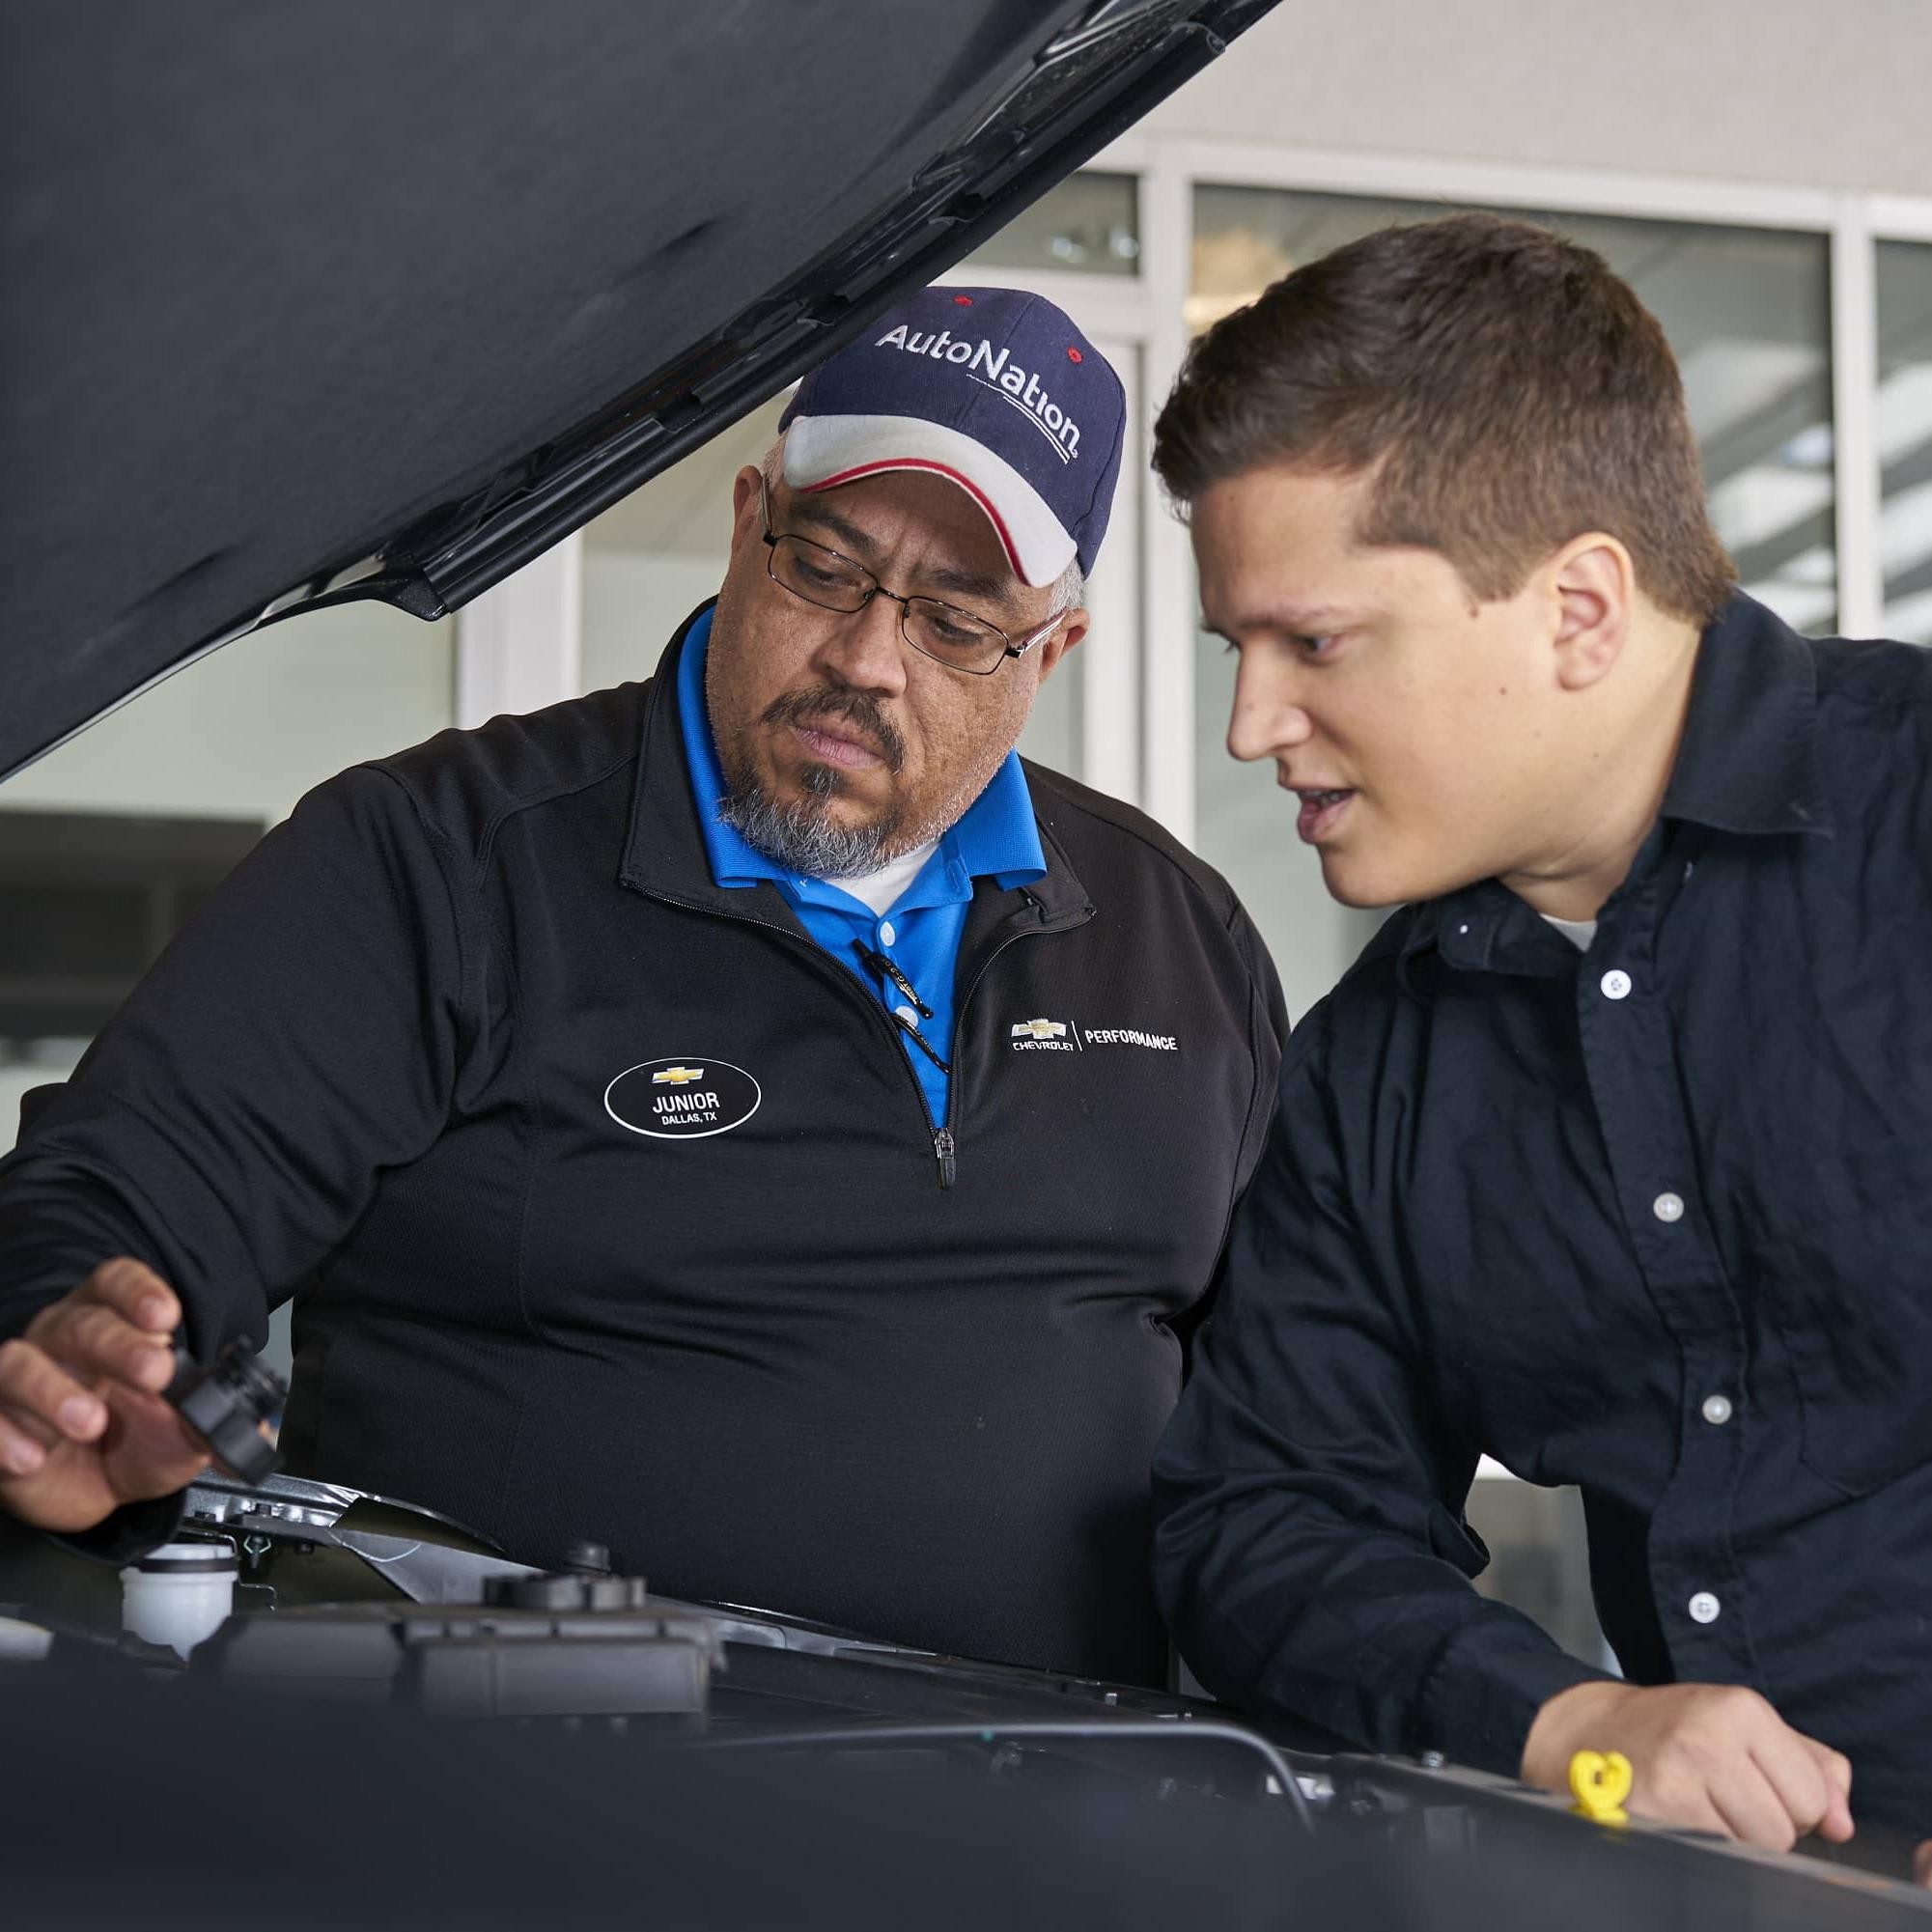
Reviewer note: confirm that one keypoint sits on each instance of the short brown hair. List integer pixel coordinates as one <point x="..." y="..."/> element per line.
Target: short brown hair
<point x="1504" y="389"/>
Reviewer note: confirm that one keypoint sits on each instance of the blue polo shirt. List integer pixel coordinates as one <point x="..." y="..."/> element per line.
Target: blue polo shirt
<point x="995" y="839"/>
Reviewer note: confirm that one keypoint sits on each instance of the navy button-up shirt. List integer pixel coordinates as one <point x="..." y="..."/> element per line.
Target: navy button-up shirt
<point x="1655" y="1219"/>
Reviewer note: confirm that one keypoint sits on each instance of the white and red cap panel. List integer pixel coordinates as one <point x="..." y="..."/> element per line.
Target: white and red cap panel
<point x="995" y="390"/>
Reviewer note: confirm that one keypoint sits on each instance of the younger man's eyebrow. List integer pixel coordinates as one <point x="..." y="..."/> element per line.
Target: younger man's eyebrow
<point x="1299" y="620"/>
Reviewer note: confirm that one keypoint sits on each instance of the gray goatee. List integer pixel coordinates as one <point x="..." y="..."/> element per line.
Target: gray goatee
<point x="801" y="836"/>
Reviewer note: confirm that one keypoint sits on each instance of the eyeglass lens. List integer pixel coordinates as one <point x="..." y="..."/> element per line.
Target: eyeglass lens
<point x="833" y="582"/>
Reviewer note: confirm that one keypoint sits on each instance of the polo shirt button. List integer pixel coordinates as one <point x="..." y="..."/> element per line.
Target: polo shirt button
<point x="1615" y="984"/>
<point x="1716" y="1410"/>
<point x="1669" y="1207"/>
<point x="907" y="1013"/>
<point x="886" y="935"/>
<point x="1704" y="1608"/>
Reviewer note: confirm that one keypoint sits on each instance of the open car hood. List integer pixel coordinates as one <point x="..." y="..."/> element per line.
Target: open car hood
<point x="299" y="304"/>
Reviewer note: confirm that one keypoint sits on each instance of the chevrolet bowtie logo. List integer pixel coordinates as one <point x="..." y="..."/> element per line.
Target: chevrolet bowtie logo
<point x="1041" y="1029"/>
<point x="677" y="1077"/>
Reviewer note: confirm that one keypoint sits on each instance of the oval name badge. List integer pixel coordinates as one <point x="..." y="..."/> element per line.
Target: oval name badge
<point x="682" y="1100"/>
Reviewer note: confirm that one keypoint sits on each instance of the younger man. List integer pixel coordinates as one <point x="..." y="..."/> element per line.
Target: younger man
<point x="1612" y="1155"/>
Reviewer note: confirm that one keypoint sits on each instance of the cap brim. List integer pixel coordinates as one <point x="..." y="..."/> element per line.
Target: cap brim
<point x="822" y="452"/>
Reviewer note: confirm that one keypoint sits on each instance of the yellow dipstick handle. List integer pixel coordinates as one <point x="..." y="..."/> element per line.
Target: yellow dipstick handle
<point x="1601" y="1782"/>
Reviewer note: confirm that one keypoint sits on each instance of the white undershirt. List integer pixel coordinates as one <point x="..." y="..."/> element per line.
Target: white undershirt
<point x="880" y="889"/>
<point x="1579" y="931"/>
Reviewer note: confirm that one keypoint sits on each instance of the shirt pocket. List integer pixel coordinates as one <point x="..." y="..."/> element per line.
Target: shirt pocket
<point x="1843" y="1252"/>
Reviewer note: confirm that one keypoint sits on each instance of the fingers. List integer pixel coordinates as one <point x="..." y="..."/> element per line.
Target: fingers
<point x="113" y="1328"/>
<point x="1810" y="1783"/>
<point x="1921" y="1863"/>
<point x="1837" y="1823"/>
<point x="23" y="1444"/>
<point x="136" y="1293"/>
<point x="40" y="1404"/>
<point x="1759" y="1811"/>
<point x="89" y="1334"/>
<point x="153" y="1450"/>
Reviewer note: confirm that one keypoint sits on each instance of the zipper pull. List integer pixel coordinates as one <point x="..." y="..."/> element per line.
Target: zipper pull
<point x="942" y="1146"/>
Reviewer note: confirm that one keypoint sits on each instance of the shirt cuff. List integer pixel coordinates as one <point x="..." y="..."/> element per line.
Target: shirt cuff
<point x="1479" y="1701"/>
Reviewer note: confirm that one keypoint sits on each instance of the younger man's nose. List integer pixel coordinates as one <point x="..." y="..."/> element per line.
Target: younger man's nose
<point x="1266" y="720"/>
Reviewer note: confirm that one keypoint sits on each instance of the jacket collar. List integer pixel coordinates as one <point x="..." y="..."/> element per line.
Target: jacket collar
<point x="1747" y="764"/>
<point x="665" y="856"/>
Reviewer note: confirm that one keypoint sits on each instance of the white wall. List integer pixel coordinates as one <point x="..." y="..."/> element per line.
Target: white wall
<point x="633" y="602"/>
<point x="245" y="732"/>
<point x="16" y="1081"/>
<point x="1796" y="91"/>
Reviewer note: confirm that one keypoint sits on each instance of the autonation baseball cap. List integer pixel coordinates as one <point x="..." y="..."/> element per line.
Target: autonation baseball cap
<point x="997" y="391"/>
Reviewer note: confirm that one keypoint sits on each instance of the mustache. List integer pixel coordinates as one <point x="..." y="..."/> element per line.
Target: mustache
<point x="859" y="711"/>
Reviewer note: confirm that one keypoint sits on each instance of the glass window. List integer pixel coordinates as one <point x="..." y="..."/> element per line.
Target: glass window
<point x="1905" y="437"/>
<point x="251" y="727"/>
<point x="1747" y="311"/>
<point x="1539" y="1558"/>
<point x="651" y="559"/>
<point x="1086" y="226"/>
<point x="112" y="840"/>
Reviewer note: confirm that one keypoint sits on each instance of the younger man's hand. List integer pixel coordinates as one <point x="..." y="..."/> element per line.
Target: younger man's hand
<point x="1712" y="1758"/>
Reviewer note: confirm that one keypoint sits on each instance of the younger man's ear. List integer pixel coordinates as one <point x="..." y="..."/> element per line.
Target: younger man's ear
<point x="1594" y="586"/>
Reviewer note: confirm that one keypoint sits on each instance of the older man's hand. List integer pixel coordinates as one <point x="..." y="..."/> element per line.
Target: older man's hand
<point x="1713" y="1757"/>
<point x="83" y="1425"/>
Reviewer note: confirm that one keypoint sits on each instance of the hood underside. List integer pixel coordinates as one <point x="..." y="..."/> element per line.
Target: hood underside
<point x="299" y="304"/>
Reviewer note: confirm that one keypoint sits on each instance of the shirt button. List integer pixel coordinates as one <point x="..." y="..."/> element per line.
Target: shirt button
<point x="1669" y="1207"/>
<point x="1615" y="984"/>
<point x="1704" y="1608"/>
<point x="911" y="1019"/>
<point x="1716" y="1410"/>
<point x="886" y="935"/>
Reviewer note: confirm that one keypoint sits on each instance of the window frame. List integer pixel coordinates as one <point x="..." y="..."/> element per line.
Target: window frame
<point x="1172" y="168"/>
<point x="1149" y="721"/>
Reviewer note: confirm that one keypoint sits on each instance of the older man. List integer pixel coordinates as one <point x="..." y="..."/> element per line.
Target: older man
<point x="747" y="1118"/>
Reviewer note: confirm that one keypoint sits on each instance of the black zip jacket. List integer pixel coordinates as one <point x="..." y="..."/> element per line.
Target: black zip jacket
<point x="1655" y="1220"/>
<point x="813" y="1357"/>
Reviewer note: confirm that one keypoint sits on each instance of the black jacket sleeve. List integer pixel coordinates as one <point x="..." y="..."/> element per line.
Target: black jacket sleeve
<point x="228" y="1127"/>
<point x="1311" y="1554"/>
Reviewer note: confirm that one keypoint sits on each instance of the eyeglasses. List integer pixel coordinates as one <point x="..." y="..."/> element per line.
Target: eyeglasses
<point x="941" y="631"/>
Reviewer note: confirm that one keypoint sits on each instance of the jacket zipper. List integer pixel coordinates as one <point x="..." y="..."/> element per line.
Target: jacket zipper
<point x="946" y="1148"/>
<point x="942" y="1142"/>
